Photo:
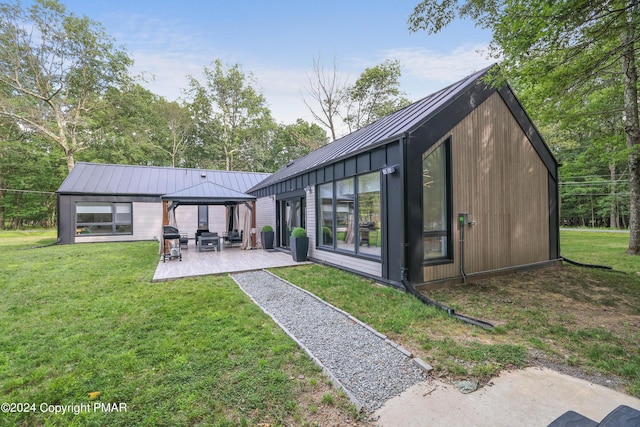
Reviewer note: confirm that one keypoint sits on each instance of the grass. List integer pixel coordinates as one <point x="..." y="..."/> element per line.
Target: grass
<point x="601" y="247"/>
<point x="83" y="318"/>
<point x="406" y="320"/>
<point x="574" y="317"/>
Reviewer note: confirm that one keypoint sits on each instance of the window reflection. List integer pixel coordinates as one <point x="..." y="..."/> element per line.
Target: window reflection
<point x="349" y="218"/>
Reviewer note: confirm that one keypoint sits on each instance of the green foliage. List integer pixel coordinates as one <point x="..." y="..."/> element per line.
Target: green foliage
<point x="84" y="318"/>
<point x="71" y="63"/>
<point x="232" y="117"/>
<point x="575" y="67"/>
<point x="299" y="232"/>
<point x="267" y="228"/>
<point x="375" y="94"/>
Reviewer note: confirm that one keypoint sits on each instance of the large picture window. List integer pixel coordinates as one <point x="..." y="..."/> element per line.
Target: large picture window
<point x="436" y="204"/>
<point x="349" y="217"/>
<point x="369" y="219"/>
<point x="103" y="218"/>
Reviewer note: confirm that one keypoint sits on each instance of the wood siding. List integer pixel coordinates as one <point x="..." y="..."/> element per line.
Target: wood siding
<point x="500" y="181"/>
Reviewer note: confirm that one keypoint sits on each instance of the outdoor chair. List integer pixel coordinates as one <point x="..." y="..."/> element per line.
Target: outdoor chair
<point x="208" y="241"/>
<point x="234" y="237"/>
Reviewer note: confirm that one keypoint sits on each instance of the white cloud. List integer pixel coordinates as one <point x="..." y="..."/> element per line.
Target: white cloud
<point x="425" y="71"/>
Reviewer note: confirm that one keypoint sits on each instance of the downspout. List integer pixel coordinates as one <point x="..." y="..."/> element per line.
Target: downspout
<point x="405" y="246"/>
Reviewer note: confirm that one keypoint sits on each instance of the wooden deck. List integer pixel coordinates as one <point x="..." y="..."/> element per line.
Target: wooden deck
<point x="229" y="260"/>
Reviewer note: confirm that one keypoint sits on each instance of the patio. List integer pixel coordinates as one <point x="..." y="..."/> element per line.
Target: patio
<point x="228" y="260"/>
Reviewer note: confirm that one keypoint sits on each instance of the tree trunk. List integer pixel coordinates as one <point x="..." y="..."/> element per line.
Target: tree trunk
<point x="632" y="132"/>
<point x="613" y="214"/>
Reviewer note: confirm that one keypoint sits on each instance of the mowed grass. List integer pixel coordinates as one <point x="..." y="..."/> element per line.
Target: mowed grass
<point x="599" y="247"/>
<point x="85" y="318"/>
<point x="571" y="317"/>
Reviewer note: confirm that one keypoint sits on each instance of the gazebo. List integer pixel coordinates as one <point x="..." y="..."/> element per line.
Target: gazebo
<point x="208" y="193"/>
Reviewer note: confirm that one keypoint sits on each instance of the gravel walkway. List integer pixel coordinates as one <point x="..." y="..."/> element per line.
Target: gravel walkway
<point x="369" y="367"/>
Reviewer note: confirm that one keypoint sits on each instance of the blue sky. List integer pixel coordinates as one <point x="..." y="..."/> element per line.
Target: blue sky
<point x="277" y="41"/>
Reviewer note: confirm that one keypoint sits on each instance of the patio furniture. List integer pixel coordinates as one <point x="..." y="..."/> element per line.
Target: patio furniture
<point x="199" y="231"/>
<point x="184" y="240"/>
<point x="234" y="237"/>
<point x="170" y="233"/>
<point x="208" y="241"/>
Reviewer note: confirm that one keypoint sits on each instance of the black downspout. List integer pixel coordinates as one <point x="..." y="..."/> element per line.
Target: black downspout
<point x="405" y="247"/>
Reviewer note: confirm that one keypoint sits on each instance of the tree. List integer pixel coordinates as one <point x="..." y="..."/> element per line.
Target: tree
<point x="54" y="67"/>
<point x="293" y="141"/>
<point x="326" y="91"/>
<point x="561" y="47"/>
<point x="122" y="130"/>
<point x="230" y="115"/>
<point x="374" y="95"/>
<point x="32" y="168"/>
<point x="175" y="129"/>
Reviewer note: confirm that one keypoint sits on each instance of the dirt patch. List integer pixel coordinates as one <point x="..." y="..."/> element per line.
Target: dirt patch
<point x="322" y="404"/>
<point x="574" y="320"/>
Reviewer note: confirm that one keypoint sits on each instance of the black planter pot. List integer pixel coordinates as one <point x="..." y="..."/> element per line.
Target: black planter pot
<point x="299" y="248"/>
<point x="267" y="239"/>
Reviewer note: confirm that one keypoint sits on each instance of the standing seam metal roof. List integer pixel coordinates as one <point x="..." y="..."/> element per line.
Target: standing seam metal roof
<point x="98" y="178"/>
<point x="387" y="129"/>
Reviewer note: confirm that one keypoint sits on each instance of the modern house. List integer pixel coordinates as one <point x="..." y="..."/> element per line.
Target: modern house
<point x="458" y="183"/>
<point x="102" y="202"/>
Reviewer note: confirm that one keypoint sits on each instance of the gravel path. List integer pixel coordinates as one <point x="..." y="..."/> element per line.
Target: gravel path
<point x="370" y="368"/>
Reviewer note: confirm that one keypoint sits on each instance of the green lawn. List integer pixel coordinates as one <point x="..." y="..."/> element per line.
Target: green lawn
<point x="599" y="247"/>
<point x="85" y="318"/>
<point x="572" y="316"/>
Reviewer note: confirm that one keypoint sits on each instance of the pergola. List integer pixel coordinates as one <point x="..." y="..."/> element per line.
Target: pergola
<point x="208" y="193"/>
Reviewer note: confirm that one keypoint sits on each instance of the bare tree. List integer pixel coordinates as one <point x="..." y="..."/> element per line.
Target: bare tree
<point x="326" y="90"/>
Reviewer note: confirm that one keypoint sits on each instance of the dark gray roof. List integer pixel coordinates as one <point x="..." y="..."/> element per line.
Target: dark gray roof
<point x="207" y="192"/>
<point x="387" y="129"/>
<point x="97" y="178"/>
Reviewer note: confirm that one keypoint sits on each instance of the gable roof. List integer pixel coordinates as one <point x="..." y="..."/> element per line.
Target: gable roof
<point x="207" y="193"/>
<point x="108" y="179"/>
<point x="387" y="129"/>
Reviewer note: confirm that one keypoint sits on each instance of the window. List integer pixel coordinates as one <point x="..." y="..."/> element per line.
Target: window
<point x="436" y="204"/>
<point x="349" y="215"/>
<point x="325" y="202"/>
<point x="103" y="218"/>
<point x="345" y="214"/>
<point x="369" y="220"/>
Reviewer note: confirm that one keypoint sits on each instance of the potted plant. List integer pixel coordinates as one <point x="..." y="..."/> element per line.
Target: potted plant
<point x="266" y="236"/>
<point x="299" y="244"/>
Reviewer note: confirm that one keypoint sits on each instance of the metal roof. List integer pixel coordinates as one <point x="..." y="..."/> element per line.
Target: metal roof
<point x="387" y="129"/>
<point x="207" y="193"/>
<point x="108" y="179"/>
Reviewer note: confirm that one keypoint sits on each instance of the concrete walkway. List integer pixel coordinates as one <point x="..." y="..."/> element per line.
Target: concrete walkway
<point x="527" y="398"/>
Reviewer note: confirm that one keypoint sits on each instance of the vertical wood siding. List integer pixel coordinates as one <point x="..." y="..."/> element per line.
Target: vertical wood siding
<point x="499" y="180"/>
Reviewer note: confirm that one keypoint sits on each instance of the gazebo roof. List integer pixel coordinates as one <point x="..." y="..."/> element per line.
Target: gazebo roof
<point x="207" y="193"/>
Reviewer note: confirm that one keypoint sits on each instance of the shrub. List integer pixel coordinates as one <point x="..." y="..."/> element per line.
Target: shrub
<point x="267" y="228"/>
<point x="299" y="232"/>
